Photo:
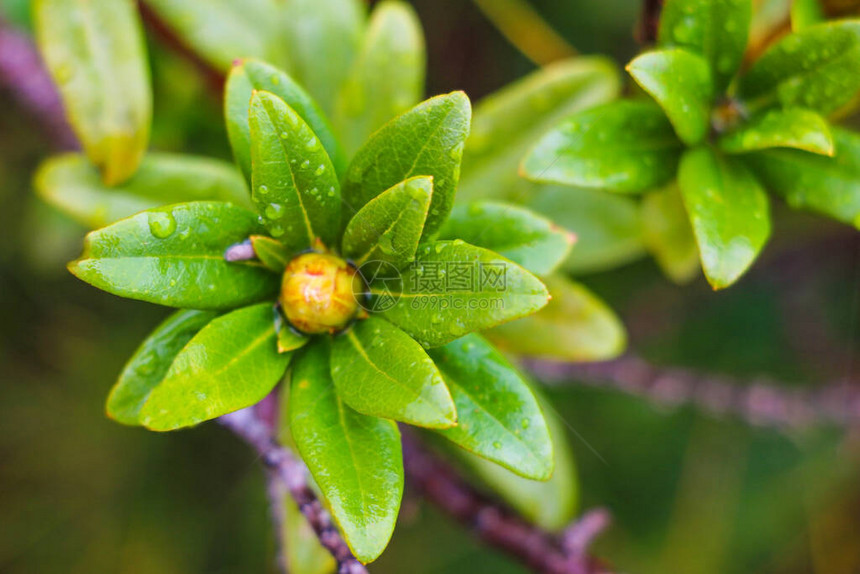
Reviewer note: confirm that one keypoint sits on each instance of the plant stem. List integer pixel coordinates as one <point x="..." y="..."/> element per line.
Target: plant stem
<point x="649" y="25"/>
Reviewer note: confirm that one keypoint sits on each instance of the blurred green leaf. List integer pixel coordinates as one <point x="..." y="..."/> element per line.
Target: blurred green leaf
<point x="626" y="146"/>
<point x="668" y="235"/>
<point x="815" y="68"/>
<point x="680" y="81"/>
<point x="728" y="210"/>
<point x="389" y="226"/>
<point x="507" y="123"/>
<point x="294" y="187"/>
<point x="380" y="371"/>
<point x="515" y="232"/>
<point x="232" y="363"/>
<point x="806" y="13"/>
<point x="716" y="29"/>
<point x="304" y="553"/>
<point x="793" y="128"/>
<point x="248" y="75"/>
<point x="499" y="418"/>
<point x="271" y="252"/>
<point x="575" y="326"/>
<point x="436" y="308"/>
<point x="96" y="56"/>
<point x="386" y="79"/>
<point x="72" y="184"/>
<point x="175" y="256"/>
<point x="355" y="459"/>
<point x="830" y="186"/>
<point x="150" y="363"/>
<point x="426" y="140"/>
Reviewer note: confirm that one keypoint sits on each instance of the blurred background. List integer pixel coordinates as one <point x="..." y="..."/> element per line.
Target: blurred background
<point x="690" y="494"/>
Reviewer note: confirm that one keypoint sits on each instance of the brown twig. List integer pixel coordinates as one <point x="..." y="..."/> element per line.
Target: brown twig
<point x="649" y="23"/>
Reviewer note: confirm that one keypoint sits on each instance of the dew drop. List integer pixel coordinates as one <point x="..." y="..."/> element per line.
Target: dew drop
<point x="320" y="170"/>
<point x="274" y="210"/>
<point x="162" y="224"/>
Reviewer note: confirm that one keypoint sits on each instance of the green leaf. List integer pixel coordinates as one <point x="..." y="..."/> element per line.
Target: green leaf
<point x="303" y="552"/>
<point x="150" y="363"/>
<point x="232" y="363"/>
<point x="515" y="232"/>
<point x="626" y="146"/>
<point x="575" y="326"/>
<point x="389" y="226"/>
<point x="355" y="459"/>
<point x="815" y="68"/>
<point x="426" y="140"/>
<point x="806" y="13"/>
<point x="245" y="77"/>
<point x="453" y="289"/>
<point x="668" y="235"/>
<point x="70" y="183"/>
<point x="175" y="256"/>
<point x="289" y="339"/>
<point x="794" y="128"/>
<point x="500" y="419"/>
<point x="96" y="56"/>
<point x="830" y="186"/>
<point x="716" y="29"/>
<point x="507" y="123"/>
<point x="380" y="371"/>
<point x="271" y="253"/>
<point x="606" y="225"/>
<point x="680" y="81"/>
<point x="294" y="185"/>
<point x="386" y="79"/>
<point x="729" y="212"/>
<point x="322" y="39"/>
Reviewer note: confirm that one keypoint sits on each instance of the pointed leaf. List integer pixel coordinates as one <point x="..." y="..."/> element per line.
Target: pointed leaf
<point x="355" y="459"/>
<point x="729" y="212"/>
<point x="668" y="235"/>
<point x="294" y="185"/>
<point x="716" y="29"/>
<point x="426" y="140"/>
<point x="96" y="56"/>
<point x="249" y="75"/>
<point x="288" y="338"/>
<point x="175" y="256"/>
<point x="627" y="146"/>
<point x="380" y="371"/>
<point x="150" y="363"/>
<point x="515" y="232"/>
<point x="389" y="226"/>
<point x="453" y="288"/>
<point x="386" y="79"/>
<point x="680" y="81"/>
<point x="232" y="363"/>
<point x="71" y="183"/>
<point x="271" y="253"/>
<point x="794" y="128"/>
<point x="500" y="419"/>
<point x="575" y="326"/>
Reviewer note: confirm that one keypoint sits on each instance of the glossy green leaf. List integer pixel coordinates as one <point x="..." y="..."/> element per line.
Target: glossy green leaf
<point x="793" y="128"/>
<point x="380" y="371"/>
<point x="386" y="79"/>
<point x="453" y="288"/>
<point x="389" y="226"/>
<point x="606" y="225"/>
<point x="515" y="232"/>
<point x="500" y="419"/>
<point x="175" y="256"/>
<point x="426" y="140"/>
<point x="830" y="186"/>
<point x="680" y="81"/>
<point x="96" y="56"/>
<point x="815" y="68"/>
<point x="322" y="38"/>
<point x="355" y="459"/>
<point x="294" y="184"/>
<point x="716" y="29"/>
<point x="668" y="235"/>
<point x="150" y="363"/>
<point x="627" y="146"/>
<point x="806" y="13"/>
<point x="271" y="252"/>
<point x="729" y="212"/>
<point x="232" y="363"/>
<point x="288" y="338"/>
<point x="507" y="123"/>
<point x="249" y="75"/>
<point x="70" y="183"/>
<point x="575" y="326"/>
